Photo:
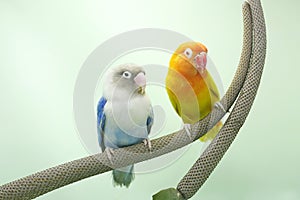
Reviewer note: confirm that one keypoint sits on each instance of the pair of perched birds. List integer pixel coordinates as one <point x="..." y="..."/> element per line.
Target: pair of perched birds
<point x="125" y="114"/>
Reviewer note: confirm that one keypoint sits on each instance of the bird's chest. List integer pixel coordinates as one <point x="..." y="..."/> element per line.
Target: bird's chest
<point x="130" y="115"/>
<point x="139" y="110"/>
<point x="192" y="97"/>
<point x="188" y="89"/>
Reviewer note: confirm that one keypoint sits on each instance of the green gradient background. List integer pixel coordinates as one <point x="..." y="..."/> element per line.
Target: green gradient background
<point x="44" y="43"/>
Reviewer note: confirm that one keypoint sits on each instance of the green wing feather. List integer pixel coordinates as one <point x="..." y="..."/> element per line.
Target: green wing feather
<point x="174" y="101"/>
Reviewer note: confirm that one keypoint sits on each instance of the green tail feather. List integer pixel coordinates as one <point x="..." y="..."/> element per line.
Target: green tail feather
<point x="123" y="176"/>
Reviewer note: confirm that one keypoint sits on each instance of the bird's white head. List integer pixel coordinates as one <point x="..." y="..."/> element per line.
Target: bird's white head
<point x="126" y="79"/>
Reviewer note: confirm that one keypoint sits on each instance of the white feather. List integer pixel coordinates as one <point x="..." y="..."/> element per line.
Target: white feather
<point x="126" y="109"/>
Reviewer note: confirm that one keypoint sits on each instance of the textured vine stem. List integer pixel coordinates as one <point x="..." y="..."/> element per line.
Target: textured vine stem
<point x="50" y="179"/>
<point x="198" y="174"/>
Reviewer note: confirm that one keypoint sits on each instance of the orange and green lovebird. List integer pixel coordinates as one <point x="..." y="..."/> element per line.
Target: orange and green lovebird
<point x="191" y="89"/>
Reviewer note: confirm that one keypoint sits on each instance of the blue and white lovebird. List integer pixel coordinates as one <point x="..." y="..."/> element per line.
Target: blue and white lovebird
<point x="125" y="115"/>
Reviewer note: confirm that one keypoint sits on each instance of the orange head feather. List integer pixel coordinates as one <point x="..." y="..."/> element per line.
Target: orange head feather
<point x="189" y="59"/>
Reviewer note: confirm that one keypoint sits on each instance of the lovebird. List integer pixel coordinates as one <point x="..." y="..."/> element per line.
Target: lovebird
<point x="191" y="89"/>
<point x="124" y="115"/>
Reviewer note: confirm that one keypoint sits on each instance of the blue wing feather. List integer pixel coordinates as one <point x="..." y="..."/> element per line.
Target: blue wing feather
<point x="149" y="122"/>
<point x="101" y="121"/>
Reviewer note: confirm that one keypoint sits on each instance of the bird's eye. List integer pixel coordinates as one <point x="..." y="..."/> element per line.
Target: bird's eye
<point x="188" y="53"/>
<point x="126" y="74"/>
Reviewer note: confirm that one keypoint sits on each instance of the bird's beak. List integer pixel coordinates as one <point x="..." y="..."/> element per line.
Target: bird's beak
<point x="200" y="62"/>
<point x="140" y="80"/>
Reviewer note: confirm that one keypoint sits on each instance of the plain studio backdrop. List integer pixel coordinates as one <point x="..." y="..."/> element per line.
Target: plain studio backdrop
<point x="45" y="43"/>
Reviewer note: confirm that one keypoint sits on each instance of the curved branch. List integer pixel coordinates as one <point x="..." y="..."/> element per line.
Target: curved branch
<point x="50" y="179"/>
<point x="204" y="166"/>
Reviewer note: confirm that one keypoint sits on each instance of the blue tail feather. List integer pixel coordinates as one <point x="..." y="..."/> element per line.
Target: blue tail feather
<point x="123" y="176"/>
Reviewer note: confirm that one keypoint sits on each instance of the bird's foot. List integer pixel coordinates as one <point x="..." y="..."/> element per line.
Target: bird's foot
<point x="188" y="128"/>
<point x="147" y="143"/>
<point x="110" y="153"/>
<point x="219" y="106"/>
